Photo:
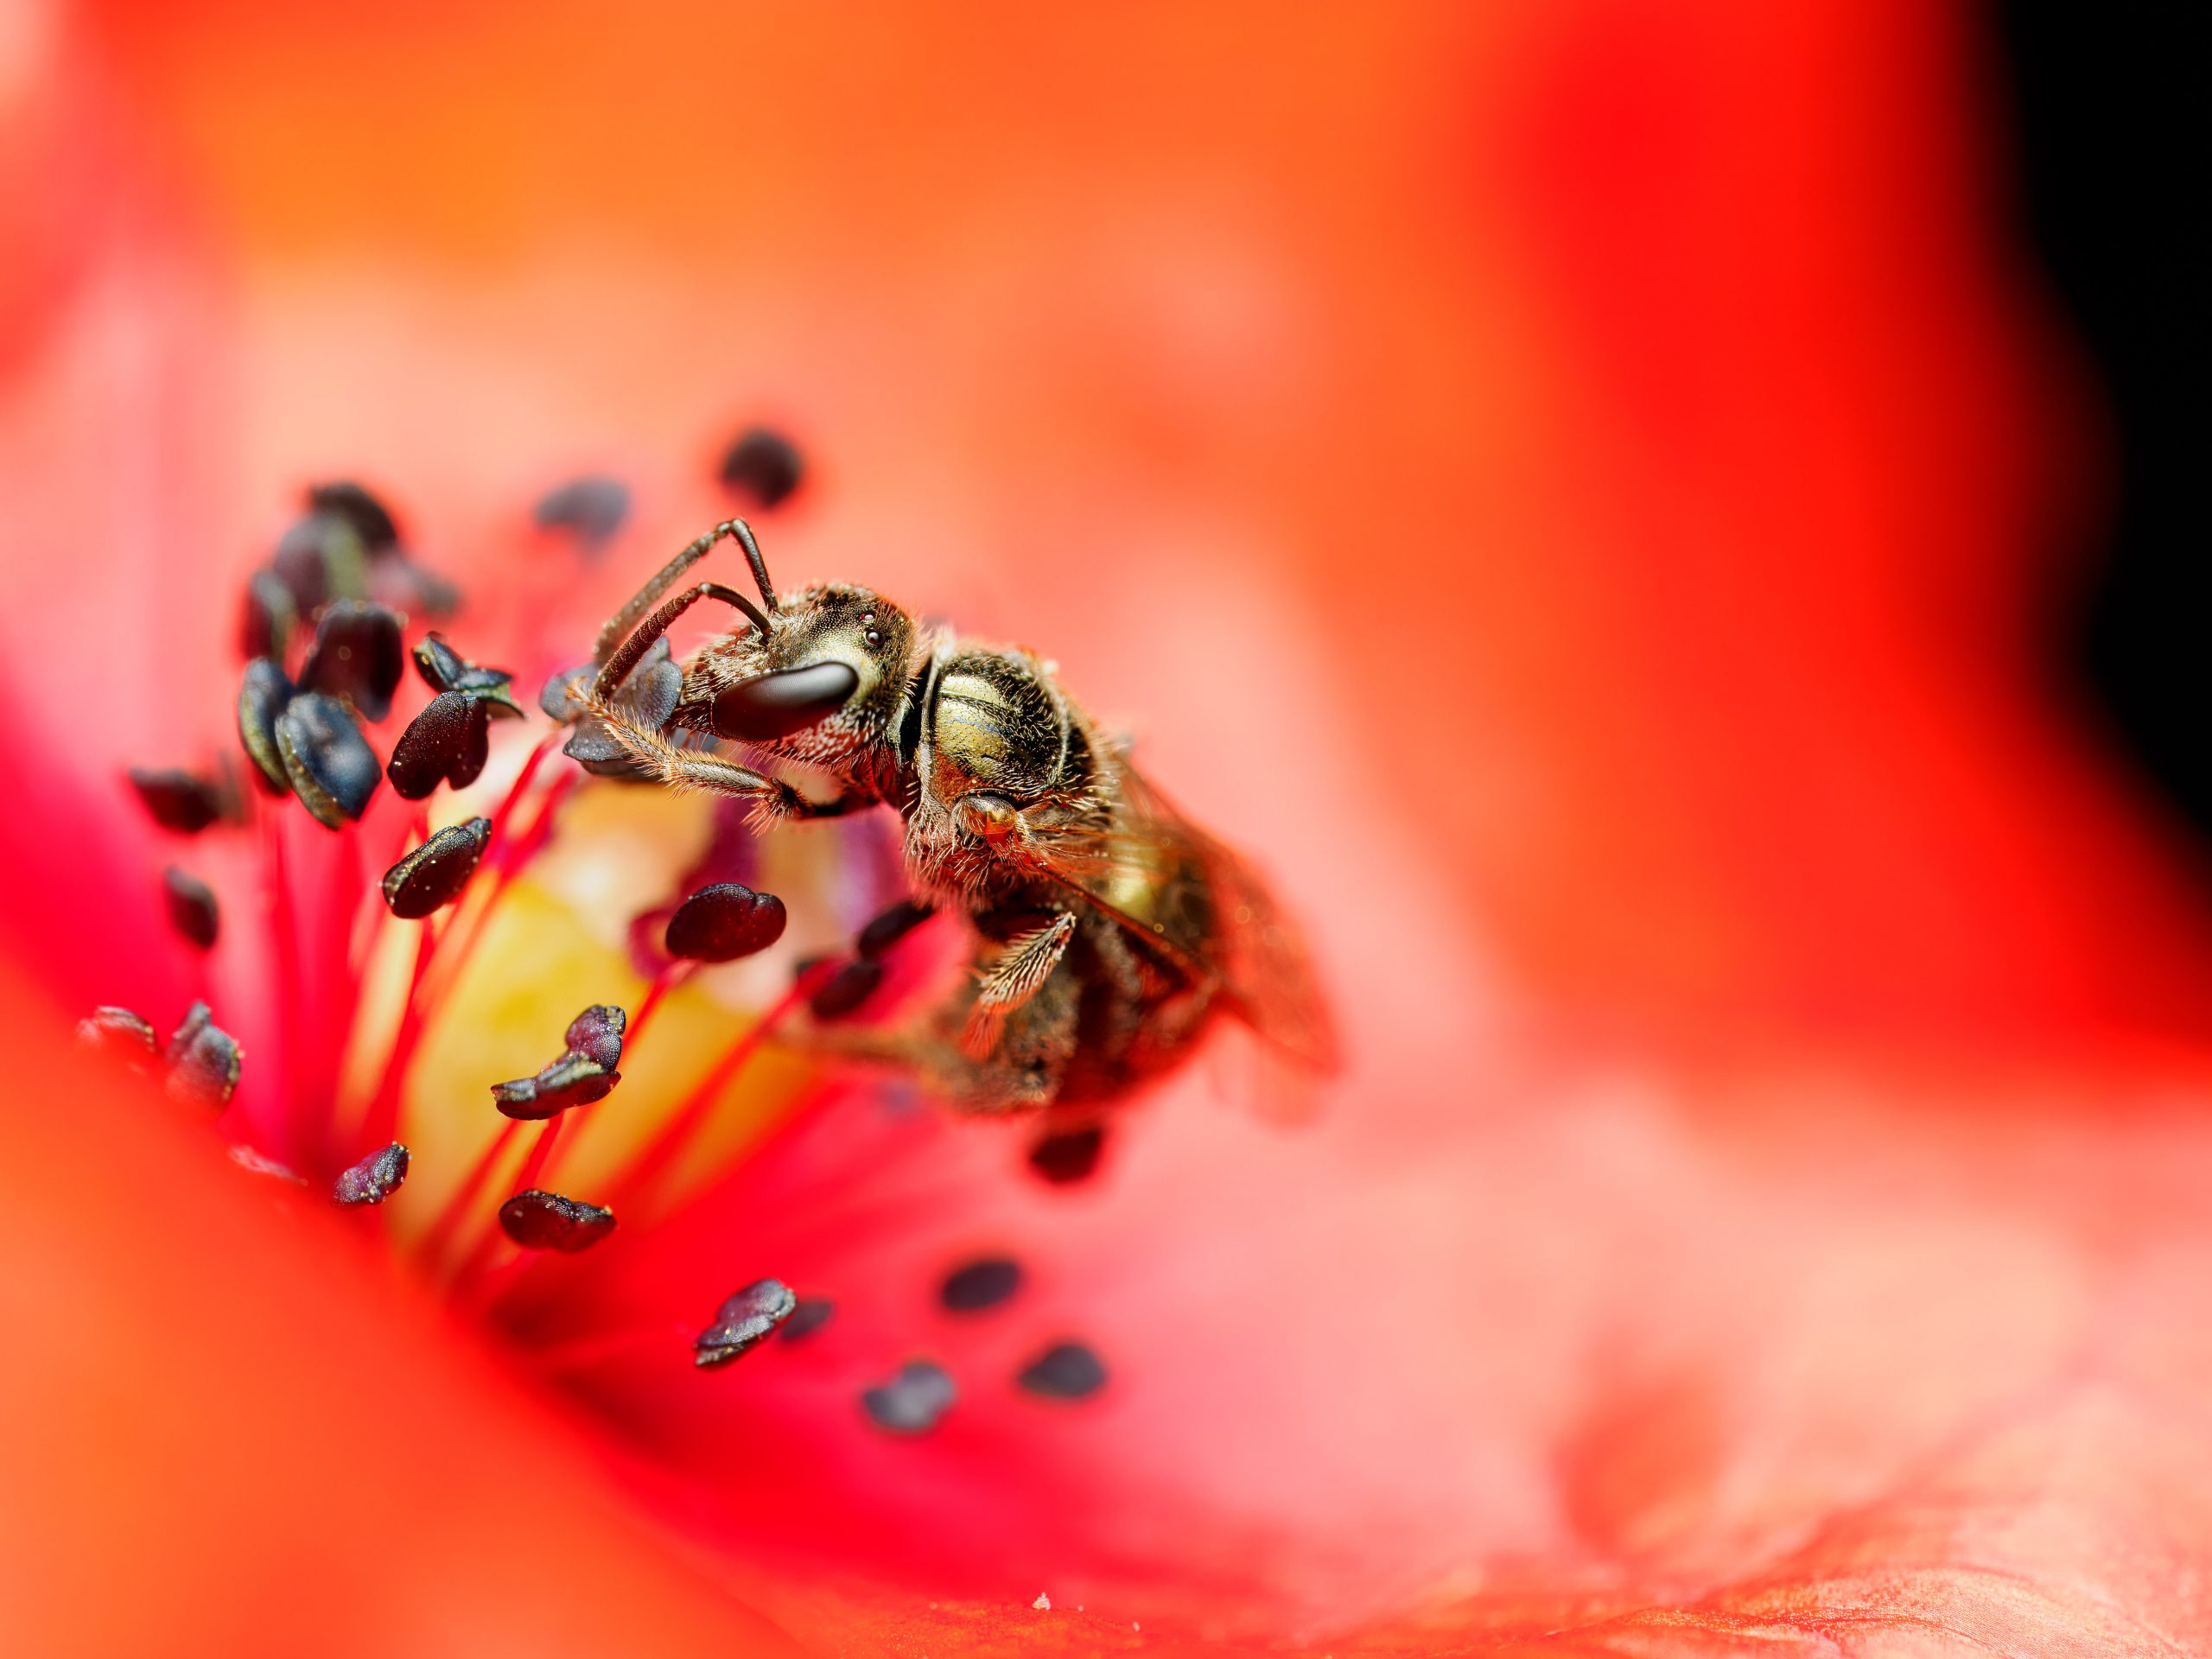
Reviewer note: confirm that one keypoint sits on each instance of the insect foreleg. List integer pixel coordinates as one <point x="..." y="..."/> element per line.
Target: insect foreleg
<point x="684" y="769"/>
<point x="984" y="1088"/>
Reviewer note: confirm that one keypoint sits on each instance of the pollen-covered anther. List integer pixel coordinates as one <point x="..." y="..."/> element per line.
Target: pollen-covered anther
<point x="358" y="653"/>
<point x="326" y="761"/>
<point x="444" y="669"/>
<point x="585" y="1073"/>
<point x="435" y="873"/>
<point x="597" y="1033"/>
<point x="984" y="1283"/>
<point x="192" y="909"/>
<point x="912" y="1399"/>
<point x="723" y="922"/>
<point x="183" y="802"/>
<point x="202" y="1058"/>
<point x="119" y="1032"/>
<point x="743" y="1321"/>
<point x="546" y="1221"/>
<point x="375" y="1179"/>
<point x="1066" y="1370"/>
<point x="446" y="743"/>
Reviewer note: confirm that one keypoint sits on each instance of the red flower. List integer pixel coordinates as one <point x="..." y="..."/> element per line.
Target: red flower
<point x="1555" y="484"/>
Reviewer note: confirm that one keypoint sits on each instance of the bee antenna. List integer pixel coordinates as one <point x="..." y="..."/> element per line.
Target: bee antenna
<point x="620" y="625"/>
<point x="743" y="531"/>
<point x="730" y="596"/>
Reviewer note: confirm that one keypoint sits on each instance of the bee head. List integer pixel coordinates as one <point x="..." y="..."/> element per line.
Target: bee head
<point x="823" y="679"/>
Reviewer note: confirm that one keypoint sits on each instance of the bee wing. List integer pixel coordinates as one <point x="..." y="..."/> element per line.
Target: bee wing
<point x="1234" y="928"/>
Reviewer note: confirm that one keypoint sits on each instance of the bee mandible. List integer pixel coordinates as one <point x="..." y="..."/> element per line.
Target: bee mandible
<point x="1109" y="933"/>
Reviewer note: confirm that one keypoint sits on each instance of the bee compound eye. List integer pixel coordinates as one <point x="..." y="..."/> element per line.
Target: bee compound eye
<point x="769" y="706"/>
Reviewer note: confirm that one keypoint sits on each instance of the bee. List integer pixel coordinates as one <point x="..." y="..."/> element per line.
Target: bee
<point x="1109" y="933"/>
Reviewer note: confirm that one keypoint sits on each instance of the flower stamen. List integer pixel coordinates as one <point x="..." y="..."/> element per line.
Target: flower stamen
<point x="538" y="1220"/>
<point x="912" y="1401"/>
<point x="375" y="1179"/>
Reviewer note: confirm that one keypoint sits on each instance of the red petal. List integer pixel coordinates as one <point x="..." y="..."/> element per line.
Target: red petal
<point x="1543" y="462"/>
<point x="231" y="1427"/>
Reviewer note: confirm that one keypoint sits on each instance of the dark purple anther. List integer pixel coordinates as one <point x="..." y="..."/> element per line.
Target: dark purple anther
<point x="893" y="924"/>
<point x="592" y="509"/>
<point x="269" y="616"/>
<point x="359" y="654"/>
<point x="723" y="922"/>
<point x="192" y="907"/>
<point x="435" y="873"/>
<point x="328" y="763"/>
<point x="762" y="466"/>
<point x="317" y="556"/>
<point x="809" y="1315"/>
<point x="572" y="1080"/>
<point x="546" y="1221"/>
<point x="980" y="1284"/>
<point x="846" y="989"/>
<point x="742" y="1323"/>
<point x="596" y="1033"/>
<point x="1066" y="1370"/>
<point x="180" y="800"/>
<point x="446" y="743"/>
<point x="203" y="1060"/>
<point x="262" y="696"/>
<point x="1066" y="1156"/>
<point x="912" y="1401"/>
<point x="444" y="669"/>
<point x="369" y="519"/>
<point x="585" y="1073"/>
<point x="375" y="1179"/>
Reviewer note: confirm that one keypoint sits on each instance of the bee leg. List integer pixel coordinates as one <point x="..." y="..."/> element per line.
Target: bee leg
<point x="980" y="1089"/>
<point x="1015" y="977"/>
<point x="1023" y="1076"/>
<point x="683" y="769"/>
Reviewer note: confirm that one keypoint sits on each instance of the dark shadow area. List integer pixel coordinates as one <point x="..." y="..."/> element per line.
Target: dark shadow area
<point x="2110" y="103"/>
